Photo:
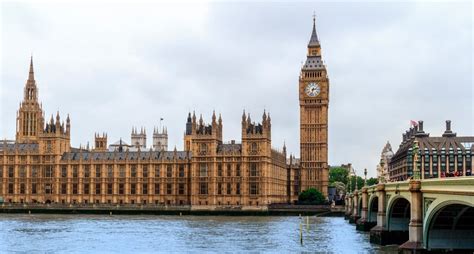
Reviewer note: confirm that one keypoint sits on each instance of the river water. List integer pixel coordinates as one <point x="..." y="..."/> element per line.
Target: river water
<point x="22" y="233"/>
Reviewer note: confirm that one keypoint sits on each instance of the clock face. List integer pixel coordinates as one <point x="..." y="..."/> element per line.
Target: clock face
<point x="312" y="89"/>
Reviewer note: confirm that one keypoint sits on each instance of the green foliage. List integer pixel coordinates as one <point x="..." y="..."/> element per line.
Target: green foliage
<point x="372" y="181"/>
<point x="340" y="187"/>
<point x="338" y="174"/>
<point x="311" y="196"/>
<point x="360" y="182"/>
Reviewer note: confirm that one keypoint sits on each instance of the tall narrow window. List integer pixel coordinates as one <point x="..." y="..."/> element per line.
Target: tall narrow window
<point x="203" y="188"/>
<point x="122" y="171"/>
<point x="110" y="171"/>
<point x="203" y="170"/>
<point x="253" y="169"/>
<point x="97" y="171"/>
<point x="64" y="171"/>
<point x="121" y="188"/>
<point x="87" y="171"/>
<point x="97" y="188"/>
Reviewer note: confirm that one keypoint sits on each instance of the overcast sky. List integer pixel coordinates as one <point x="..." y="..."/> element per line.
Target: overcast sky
<point x="112" y="66"/>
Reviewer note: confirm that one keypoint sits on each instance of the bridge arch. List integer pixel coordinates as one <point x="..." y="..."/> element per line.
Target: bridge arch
<point x="373" y="208"/>
<point x="398" y="214"/>
<point x="449" y="223"/>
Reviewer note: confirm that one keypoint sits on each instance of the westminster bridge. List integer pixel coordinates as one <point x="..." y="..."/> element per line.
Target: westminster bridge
<point x="429" y="214"/>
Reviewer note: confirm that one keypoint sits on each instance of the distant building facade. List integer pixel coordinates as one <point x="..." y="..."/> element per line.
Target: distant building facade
<point x="382" y="168"/>
<point x="445" y="156"/>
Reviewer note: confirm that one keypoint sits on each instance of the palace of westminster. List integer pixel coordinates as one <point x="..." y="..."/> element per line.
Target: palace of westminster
<point x="40" y="166"/>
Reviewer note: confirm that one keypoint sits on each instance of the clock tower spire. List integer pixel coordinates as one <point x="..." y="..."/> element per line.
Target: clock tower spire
<point x="314" y="101"/>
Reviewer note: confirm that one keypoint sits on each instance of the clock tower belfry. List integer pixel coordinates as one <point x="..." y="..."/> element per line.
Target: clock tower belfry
<point x="314" y="101"/>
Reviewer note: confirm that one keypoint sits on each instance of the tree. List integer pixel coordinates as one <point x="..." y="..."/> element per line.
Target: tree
<point x="360" y="182"/>
<point x="340" y="187"/>
<point x="372" y="181"/>
<point x="338" y="174"/>
<point x="311" y="196"/>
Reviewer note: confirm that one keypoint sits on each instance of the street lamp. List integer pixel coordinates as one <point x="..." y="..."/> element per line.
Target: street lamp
<point x="416" y="170"/>
<point x="355" y="174"/>
<point x="365" y="176"/>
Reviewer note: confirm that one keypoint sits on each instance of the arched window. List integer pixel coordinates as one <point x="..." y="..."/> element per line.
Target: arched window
<point x="253" y="148"/>
<point x="203" y="148"/>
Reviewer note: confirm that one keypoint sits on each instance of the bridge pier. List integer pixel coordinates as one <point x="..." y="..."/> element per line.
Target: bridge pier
<point x="347" y="215"/>
<point x="415" y="228"/>
<point x="379" y="234"/>
<point x="355" y="211"/>
<point x="363" y="223"/>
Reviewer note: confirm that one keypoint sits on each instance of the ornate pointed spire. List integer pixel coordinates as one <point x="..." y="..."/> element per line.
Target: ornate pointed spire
<point x="314" y="41"/>
<point x="31" y="75"/>
<point x="213" y="116"/>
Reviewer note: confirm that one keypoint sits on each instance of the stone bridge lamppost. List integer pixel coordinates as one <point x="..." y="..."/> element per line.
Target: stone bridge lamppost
<point x="363" y="223"/>
<point x="355" y="211"/>
<point x="415" y="228"/>
<point x="348" y="213"/>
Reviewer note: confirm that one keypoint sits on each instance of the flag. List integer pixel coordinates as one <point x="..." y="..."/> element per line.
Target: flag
<point x="413" y="123"/>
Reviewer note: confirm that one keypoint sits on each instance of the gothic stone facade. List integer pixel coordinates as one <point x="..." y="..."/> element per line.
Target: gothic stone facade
<point x="314" y="102"/>
<point x="40" y="166"/>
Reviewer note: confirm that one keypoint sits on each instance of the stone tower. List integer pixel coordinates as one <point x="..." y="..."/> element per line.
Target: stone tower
<point x="138" y="139"/>
<point x="160" y="139"/>
<point x="100" y="142"/>
<point x="256" y="137"/>
<point x="314" y="100"/>
<point x="30" y="119"/>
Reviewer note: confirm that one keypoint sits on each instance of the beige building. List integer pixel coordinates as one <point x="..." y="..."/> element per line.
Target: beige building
<point x="382" y="168"/>
<point x="40" y="166"/>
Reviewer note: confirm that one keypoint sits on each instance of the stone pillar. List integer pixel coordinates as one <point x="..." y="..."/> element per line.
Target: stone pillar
<point x="346" y="207"/>
<point x="363" y="224"/>
<point x="415" y="228"/>
<point x="382" y="206"/>
<point x="378" y="234"/>
<point x="355" y="210"/>
<point x="350" y="205"/>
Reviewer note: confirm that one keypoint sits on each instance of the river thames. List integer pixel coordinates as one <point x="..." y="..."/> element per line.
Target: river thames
<point x="22" y="233"/>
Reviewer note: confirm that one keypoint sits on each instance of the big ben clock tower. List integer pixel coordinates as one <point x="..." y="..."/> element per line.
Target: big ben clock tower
<point x="314" y="101"/>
